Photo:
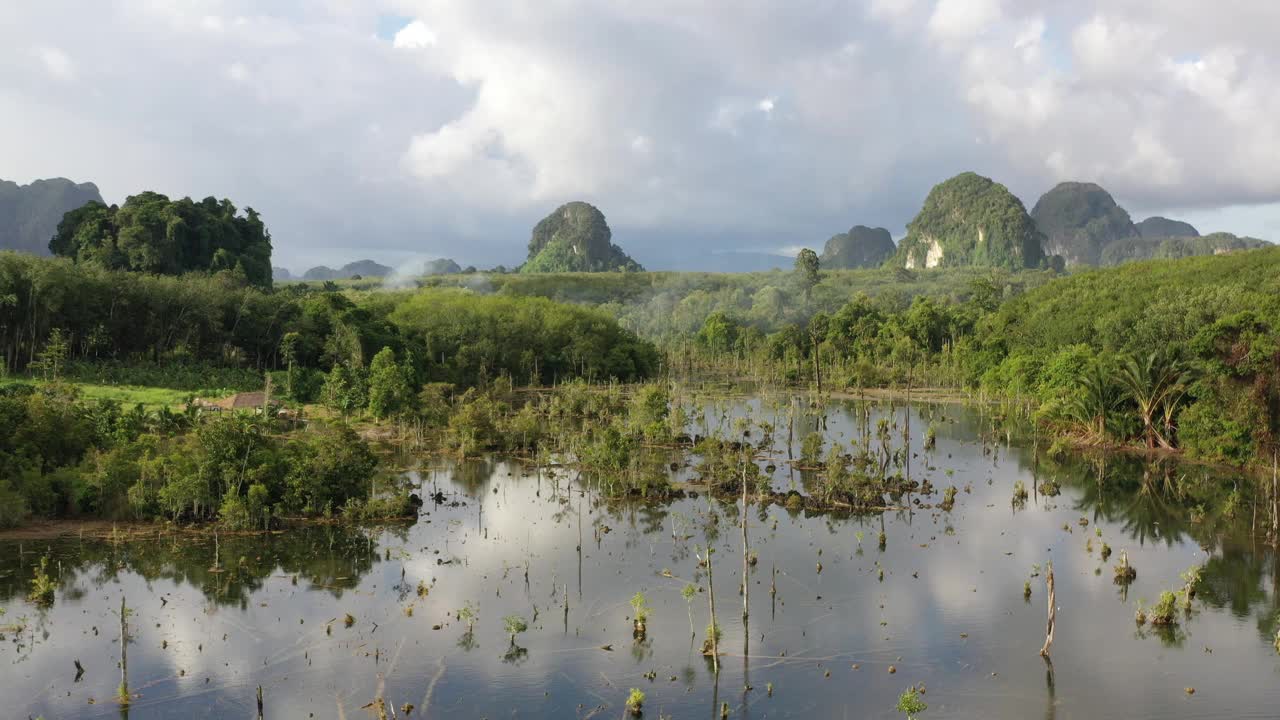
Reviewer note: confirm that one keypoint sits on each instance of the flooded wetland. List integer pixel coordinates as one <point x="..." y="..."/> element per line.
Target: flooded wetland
<point x="514" y="593"/>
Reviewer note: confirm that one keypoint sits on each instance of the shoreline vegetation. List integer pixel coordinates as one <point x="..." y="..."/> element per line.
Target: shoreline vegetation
<point x="441" y="367"/>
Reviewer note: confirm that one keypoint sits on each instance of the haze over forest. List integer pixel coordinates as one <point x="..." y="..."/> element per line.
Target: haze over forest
<point x="427" y="133"/>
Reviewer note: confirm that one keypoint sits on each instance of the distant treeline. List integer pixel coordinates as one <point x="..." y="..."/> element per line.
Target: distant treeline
<point x="140" y="318"/>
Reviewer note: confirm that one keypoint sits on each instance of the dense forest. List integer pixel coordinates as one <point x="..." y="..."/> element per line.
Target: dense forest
<point x="152" y="234"/>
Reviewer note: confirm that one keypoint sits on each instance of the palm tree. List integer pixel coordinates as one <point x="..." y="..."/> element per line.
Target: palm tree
<point x="1156" y="385"/>
<point x="1092" y="406"/>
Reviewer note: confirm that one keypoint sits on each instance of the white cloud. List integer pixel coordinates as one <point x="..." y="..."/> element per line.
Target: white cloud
<point x="56" y="62"/>
<point x="961" y="20"/>
<point x="665" y="114"/>
<point x="415" y="35"/>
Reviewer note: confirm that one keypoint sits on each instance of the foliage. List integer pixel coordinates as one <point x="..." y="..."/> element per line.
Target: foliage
<point x="63" y="455"/>
<point x="575" y="238"/>
<point x="973" y="221"/>
<point x="811" y="449"/>
<point x="1164" y="612"/>
<point x="910" y="703"/>
<point x="807" y="264"/>
<point x="514" y="625"/>
<point x="1149" y="247"/>
<point x="466" y="339"/>
<point x="42" y="585"/>
<point x="389" y="385"/>
<point x="153" y="234"/>
<point x="640" y="607"/>
<point x="635" y="700"/>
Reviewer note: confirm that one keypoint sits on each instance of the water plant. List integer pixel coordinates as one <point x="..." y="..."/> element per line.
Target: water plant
<point x="1019" y="494"/>
<point x="42" y="585"/>
<point x="1124" y="572"/>
<point x="514" y="625"/>
<point x="635" y="701"/>
<point x="949" y="498"/>
<point x="469" y="614"/>
<point x="1190" y="581"/>
<point x="711" y="640"/>
<point x="640" y="614"/>
<point x="910" y="704"/>
<point x="811" y="449"/>
<point x="687" y="592"/>
<point x="1163" y="612"/>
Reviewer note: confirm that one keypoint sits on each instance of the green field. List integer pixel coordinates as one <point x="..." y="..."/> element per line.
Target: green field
<point x="151" y="398"/>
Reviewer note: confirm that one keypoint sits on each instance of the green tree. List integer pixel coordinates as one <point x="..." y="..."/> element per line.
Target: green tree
<point x="807" y="266"/>
<point x="389" y="390"/>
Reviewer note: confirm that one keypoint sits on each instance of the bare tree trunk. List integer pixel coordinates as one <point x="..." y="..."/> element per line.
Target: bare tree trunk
<point x="1053" y="614"/>
<point x="746" y="592"/>
<point x="711" y="599"/>
<point x="123" y="691"/>
<point x="1275" y="497"/>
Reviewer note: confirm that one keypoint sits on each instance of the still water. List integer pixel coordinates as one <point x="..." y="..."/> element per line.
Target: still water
<point x="209" y="627"/>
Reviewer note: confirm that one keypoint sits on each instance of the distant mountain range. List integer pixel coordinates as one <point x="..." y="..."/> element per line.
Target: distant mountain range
<point x="29" y="214"/>
<point x="367" y="269"/>
<point x="1083" y="224"/>
<point x="973" y="220"/>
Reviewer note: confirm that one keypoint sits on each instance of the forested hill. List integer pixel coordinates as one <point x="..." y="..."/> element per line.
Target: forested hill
<point x="575" y="238"/>
<point x="1142" y="306"/>
<point x="29" y="214"/>
<point x="152" y="234"/>
<point x="1212" y="323"/>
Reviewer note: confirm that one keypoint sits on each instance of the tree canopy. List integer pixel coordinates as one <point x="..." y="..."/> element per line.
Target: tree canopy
<point x="152" y="234"/>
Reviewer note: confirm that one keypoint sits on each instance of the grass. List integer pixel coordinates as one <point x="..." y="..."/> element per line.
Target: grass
<point x="152" y="398"/>
<point x="129" y="395"/>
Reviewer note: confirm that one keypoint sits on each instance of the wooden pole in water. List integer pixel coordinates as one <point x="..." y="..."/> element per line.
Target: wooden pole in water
<point x="711" y="599"/>
<point x="1053" y="614"/>
<point x="745" y="552"/>
<point x="1275" y="497"/>
<point x="124" y="653"/>
<point x="259" y="702"/>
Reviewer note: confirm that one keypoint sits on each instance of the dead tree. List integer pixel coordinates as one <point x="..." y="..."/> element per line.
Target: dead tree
<point x="1053" y="614"/>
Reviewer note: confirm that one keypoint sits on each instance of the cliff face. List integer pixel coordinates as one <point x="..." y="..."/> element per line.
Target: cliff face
<point x="971" y="220"/>
<point x="575" y="238"/>
<point x="29" y="214"/>
<point x="1079" y="220"/>
<point x="861" y="247"/>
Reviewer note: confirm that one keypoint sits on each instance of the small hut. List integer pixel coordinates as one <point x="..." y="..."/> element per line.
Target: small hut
<point x="243" y="401"/>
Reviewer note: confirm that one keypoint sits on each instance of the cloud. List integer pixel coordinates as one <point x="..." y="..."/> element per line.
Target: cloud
<point x="414" y="36"/>
<point x="696" y="128"/>
<point x="56" y="62"/>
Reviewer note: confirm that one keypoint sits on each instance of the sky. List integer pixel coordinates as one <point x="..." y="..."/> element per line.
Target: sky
<point x="713" y="134"/>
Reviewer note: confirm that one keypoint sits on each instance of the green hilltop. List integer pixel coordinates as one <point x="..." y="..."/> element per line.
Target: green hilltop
<point x="575" y="238"/>
<point x="971" y="220"/>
